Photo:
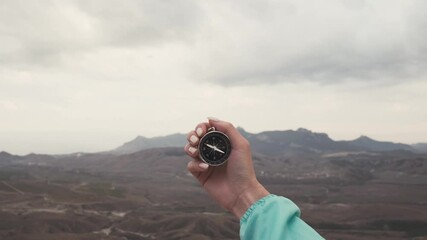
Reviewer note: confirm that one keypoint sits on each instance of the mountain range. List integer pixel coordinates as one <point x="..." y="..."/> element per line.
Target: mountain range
<point x="277" y="142"/>
<point x="272" y="143"/>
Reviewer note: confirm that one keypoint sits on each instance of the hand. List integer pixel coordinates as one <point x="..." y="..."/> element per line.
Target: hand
<point x="233" y="185"/>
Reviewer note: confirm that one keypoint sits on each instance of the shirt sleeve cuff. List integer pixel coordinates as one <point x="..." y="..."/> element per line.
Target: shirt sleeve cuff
<point x="258" y="203"/>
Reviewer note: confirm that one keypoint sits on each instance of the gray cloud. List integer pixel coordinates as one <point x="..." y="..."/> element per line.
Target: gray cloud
<point x="330" y="65"/>
<point x="41" y="33"/>
<point x="323" y="42"/>
<point x="143" y="22"/>
<point x="230" y="42"/>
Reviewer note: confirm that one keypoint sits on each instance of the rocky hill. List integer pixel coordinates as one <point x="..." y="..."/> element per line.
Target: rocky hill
<point x="420" y="147"/>
<point x="142" y="143"/>
<point x="7" y="158"/>
<point x="370" y="144"/>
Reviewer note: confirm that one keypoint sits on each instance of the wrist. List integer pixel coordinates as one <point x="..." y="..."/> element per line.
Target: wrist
<point x="248" y="197"/>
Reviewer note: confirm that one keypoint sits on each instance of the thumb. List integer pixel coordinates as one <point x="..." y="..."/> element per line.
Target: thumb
<point x="237" y="140"/>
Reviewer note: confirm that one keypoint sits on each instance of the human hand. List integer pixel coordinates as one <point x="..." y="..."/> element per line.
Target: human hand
<point x="233" y="185"/>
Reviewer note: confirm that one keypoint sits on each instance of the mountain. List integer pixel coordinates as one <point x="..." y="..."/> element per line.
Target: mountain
<point x="142" y="143"/>
<point x="370" y="144"/>
<point x="7" y="158"/>
<point x="420" y="147"/>
<point x="276" y="142"/>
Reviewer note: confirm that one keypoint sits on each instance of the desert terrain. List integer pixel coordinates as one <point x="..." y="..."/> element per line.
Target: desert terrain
<point x="149" y="194"/>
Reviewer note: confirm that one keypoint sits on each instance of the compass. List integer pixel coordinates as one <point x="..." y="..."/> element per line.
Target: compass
<point x="214" y="147"/>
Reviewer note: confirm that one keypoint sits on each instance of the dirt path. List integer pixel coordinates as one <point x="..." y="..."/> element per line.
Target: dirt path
<point x="13" y="188"/>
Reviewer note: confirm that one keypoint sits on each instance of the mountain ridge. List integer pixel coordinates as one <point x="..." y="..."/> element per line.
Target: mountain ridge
<point x="141" y="143"/>
<point x="272" y="142"/>
<point x="276" y="142"/>
<point x="370" y="144"/>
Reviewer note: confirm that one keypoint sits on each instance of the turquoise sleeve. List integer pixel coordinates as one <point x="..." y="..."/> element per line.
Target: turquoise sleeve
<point x="274" y="217"/>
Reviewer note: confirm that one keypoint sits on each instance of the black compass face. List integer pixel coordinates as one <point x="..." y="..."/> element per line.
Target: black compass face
<point x="214" y="148"/>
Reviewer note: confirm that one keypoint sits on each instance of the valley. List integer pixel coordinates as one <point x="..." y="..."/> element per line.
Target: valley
<point x="150" y="195"/>
<point x="360" y="189"/>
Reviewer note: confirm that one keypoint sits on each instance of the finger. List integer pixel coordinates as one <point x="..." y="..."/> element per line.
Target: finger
<point x="191" y="151"/>
<point x="192" y="138"/>
<point x="202" y="128"/>
<point x="196" y="167"/>
<point x="235" y="137"/>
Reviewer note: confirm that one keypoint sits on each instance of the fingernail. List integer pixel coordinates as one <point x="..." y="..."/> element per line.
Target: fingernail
<point x="194" y="139"/>
<point x="213" y="119"/>
<point x="203" y="165"/>
<point x="192" y="150"/>
<point x="199" y="132"/>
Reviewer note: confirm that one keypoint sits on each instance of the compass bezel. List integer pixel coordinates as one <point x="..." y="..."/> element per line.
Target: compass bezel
<point x="202" y="150"/>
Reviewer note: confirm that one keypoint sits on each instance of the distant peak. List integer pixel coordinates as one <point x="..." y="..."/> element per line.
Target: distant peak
<point x="363" y="137"/>
<point x="303" y="130"/>
<point x="5" y="153"/>
<point x="240" y="129"/>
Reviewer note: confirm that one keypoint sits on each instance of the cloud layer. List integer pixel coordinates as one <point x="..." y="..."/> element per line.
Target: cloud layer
<point x="231" y="43"/>
<point x="43" y="33"/>
<point x="73" y="72"/>
<point x="324" y="42"/>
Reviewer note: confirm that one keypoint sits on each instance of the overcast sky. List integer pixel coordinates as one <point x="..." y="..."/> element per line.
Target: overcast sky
<point x="91" y="75"/>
